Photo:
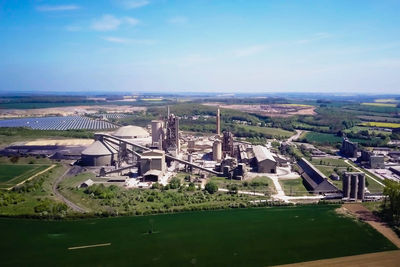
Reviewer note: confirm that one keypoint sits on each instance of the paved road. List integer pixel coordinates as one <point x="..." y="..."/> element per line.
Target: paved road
<point x="70" y="204"/>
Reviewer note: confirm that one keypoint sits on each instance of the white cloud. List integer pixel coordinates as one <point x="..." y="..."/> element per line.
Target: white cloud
<point x="315" y="37"/>
<point x="249" y="51"/>
<point x="48" y="8"/>
<point x="131" y="4"/>
<point x="106" y="23"/>
<point x="119" y="40"/>
<point x="131" y="21"/>
<point x="177" y="20"/>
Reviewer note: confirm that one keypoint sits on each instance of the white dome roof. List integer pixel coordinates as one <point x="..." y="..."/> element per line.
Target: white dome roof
<point x="98" y="148"/>
<point x="131" y="131"/>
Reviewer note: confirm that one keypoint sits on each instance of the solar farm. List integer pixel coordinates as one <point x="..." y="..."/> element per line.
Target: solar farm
<point x="59" y="123"/>
<point x="112" y="115"/>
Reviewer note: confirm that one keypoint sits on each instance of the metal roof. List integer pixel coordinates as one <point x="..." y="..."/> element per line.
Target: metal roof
<point x="99" y="148"/>
<point x="262" y="153"/>
<point x="131" y="131"/>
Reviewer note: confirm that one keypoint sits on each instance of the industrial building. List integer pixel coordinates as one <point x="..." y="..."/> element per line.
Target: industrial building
<point x="100" y="153"/>
<point x="131" y="132"/>
<point x="354" y="185"/>
<point x="264" y="160"/>
<point x="152" y="164"/>
<point x="227" y="144"/>
<point x="372" y="160"/>
<point x="315" y="181"/>
<point x="349" y="149"/>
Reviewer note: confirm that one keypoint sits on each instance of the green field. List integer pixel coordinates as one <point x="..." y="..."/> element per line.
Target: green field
<point x="294" y="187"/>
<point x="273" y="132"/>
<point x="380" y="104"/>
<point x="245" y="237"/>
<point x="10" y="175"/>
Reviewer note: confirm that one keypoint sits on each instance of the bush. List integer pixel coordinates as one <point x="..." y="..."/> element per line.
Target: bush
<point x="175" y="183"/>
<point x="192" y="187"/>
<point x="211" y="187"/>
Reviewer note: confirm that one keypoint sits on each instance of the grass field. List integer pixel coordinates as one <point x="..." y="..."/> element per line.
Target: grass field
<point x="294" y="187"/>
<point x="12" y="174"/>
<point x="245" y="237"/>
<point x="381" y="124"/>
<point x="275" y="132"/>
<point x="322" y="138"/>
<point x="380" y="104"/>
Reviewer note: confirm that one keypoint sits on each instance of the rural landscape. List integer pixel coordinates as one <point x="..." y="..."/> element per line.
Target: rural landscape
<point x="199" y="133"/>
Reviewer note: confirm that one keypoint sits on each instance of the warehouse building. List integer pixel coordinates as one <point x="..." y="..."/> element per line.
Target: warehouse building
<point x="264" y="161"/>
<point x="314" y="180"/>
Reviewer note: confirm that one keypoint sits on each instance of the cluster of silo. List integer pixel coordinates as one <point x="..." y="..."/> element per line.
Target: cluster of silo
<point x="354" y="185"/>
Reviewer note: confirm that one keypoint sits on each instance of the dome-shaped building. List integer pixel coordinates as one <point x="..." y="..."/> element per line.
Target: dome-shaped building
<point x="131" y="132"/>
<point x="98" y="154"/>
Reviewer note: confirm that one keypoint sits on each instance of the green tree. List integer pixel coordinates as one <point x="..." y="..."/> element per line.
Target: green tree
<point x="211" y="187"/>
<point x="175" y="183"/>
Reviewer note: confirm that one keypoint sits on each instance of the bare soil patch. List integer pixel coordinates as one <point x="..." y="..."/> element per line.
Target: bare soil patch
<point x="383" y="259"/>
<point x="273" y="110"/>
<point x="366" y="215"/>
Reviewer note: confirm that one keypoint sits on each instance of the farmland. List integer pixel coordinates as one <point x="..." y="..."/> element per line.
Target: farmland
<point x="381" y="124"/>
<point x="380" y="104"/>
<point x="256" y="237"/>
<point x="10" y="175"/>
<point x="58" y="123"/>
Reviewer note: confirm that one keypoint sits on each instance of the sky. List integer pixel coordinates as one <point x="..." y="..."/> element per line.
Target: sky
<point x="235" y="46"/>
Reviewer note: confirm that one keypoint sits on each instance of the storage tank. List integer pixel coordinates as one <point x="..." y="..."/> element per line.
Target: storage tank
<point x="98" y="154"/>
<point x="156" y="132"/>
<point x="361" y="186"/>
<point x="346" y="185"/>
<point x="354" y="186"/>
<point x="217" y="151"/>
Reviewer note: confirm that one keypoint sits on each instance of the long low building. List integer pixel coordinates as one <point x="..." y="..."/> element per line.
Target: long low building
<point x="315" y="181"/>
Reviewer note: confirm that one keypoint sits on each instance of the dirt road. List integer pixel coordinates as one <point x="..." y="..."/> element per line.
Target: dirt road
<point x="367" y="216"/>
<point x="70" y="204"/>
<point x="382" y="259"/>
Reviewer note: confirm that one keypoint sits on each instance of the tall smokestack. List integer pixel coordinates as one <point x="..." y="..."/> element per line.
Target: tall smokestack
<point x="218" y="122"/>
<point x="168" y="111"/>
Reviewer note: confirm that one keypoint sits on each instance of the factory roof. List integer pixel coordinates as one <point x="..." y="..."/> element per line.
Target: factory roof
<point x="131" y="131"/>
<point x="99" y="148"/>
<point x="262" y="153"/>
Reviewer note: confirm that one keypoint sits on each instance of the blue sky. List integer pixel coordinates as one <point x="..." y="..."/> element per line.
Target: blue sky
<point x="200" y="45"/>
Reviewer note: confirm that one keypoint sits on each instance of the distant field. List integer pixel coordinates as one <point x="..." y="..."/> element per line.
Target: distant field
<point x="381" y="124"/>
<point x="275" y="132"/>
<point x="386" y="100"/>
<point x="245" y="237"/>
<point x="332" y="139"/>
<point x="10" y="175"/>
<point x="380" y="104"/>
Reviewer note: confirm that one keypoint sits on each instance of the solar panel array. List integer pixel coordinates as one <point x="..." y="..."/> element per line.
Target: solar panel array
<point x="112" y="115"/>
<point x="59" y="123"/>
